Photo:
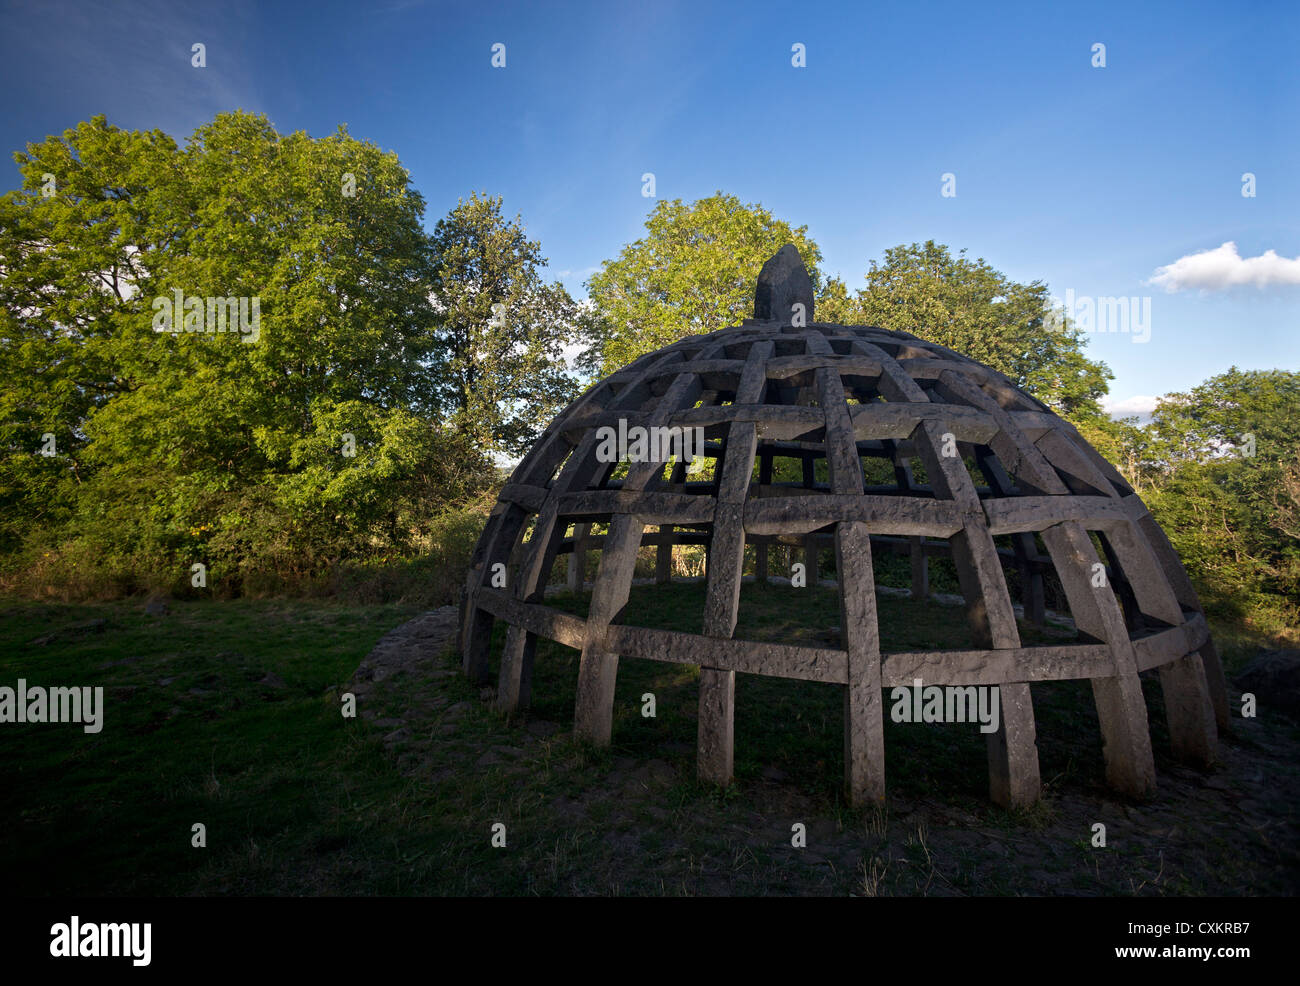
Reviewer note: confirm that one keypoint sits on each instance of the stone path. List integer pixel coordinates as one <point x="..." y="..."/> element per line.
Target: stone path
<point x="409" y="649"/>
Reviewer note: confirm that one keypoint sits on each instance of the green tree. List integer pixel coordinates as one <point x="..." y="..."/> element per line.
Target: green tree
<point x="171" y="445"/>
<point x="1220" y="468"/>
<point x="971" y="308"/>
<point x="501" y="331"/>
<point x="73" y="247"/>
<point x="1231" y="414"/>
<point x="835" y="305"/>
<point x="692" y="272"/>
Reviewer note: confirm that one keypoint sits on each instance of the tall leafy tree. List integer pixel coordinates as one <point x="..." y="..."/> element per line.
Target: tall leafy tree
<point x="174" y="443"/>
<point x="1231" y="414"/>
<point x="692" y="272"/>
<point x="976" y="310"/>
<point x="1221" y="467"/>
<point x="501" y="331"/>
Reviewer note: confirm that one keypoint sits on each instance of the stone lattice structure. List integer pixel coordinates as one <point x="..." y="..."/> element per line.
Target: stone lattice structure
<point x="783" y="385"/>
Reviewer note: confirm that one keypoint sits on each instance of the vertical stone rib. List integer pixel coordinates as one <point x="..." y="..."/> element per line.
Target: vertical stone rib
<point x="477" y="629"/>
<point x="717" y="710"/>
<point x="598" y="666"/>
<point x="894" y="382"/>
<point x="1031" y="580"/>
<point x="501" y="536"/>
<point x="506" y="523"/>
<point x="576" y="572"/>
<point x="1188" y="709"/>
<point x="1014" y="779"/>
<point x="1188" y="599"/>
<point x="1121" y="709"/>
<point x="920" y="568"/>
<point x="593" y="714"/>
<point x="864" y="728"/>
<point x="514" y="680"/>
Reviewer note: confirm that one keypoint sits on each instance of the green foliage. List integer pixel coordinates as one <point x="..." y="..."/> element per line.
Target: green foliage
<point x="1214" y="420"/>
<point x="501" y="372"/>
<point x="1231" y="515"/>
<point x="835" y="305"/>
<point x="692" y="272"/>
<point x="977" y="311"/>
<point x="222" y="447"/>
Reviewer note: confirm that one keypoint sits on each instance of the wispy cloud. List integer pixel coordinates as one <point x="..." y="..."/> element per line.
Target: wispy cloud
<point x="582" y="274"/>
<point x="1141" y="405"/>
<point x="1223" y="268"/>
<point x="134" y="64"/>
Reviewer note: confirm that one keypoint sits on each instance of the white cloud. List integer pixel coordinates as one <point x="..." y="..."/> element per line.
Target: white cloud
<point x="583" y="274"/>
<point x="1141" y="405"/>
<point x="1223" y="267"/>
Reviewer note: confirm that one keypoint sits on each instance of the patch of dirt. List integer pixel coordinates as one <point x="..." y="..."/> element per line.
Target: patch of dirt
<point x="71" y="631"/>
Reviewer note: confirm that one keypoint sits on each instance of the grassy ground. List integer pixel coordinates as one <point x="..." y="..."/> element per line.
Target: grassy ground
<point x="227" y="714"/>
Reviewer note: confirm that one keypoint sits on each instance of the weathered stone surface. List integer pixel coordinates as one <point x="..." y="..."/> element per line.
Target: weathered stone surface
<point x="782" y="283"/>
<point x="882" y="514"/>
<point x="1121" y="710"/>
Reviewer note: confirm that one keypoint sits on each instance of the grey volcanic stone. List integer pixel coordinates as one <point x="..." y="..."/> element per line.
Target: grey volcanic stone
<point x="782" y="282"/>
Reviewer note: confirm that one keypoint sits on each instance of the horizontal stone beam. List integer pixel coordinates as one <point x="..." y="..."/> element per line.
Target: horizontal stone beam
<point x="898" y="421"/>
<point x="778" y="660"/>
<point x="654" y="508"/>
<point x="882" y="514"/>
<point x="993" y="667"/>
<point x="1171" y="644"/>
<point x="782" y="421"/>
<point x="1058" y="662"/>
<point x="563" y="628"/>
<point x="700" y="366"/>
<point x="528" y="497"/>
<point x="1013" y="515"/>
<point x="784" y="367"/>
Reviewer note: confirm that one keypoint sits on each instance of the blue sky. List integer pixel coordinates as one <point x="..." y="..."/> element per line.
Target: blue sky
<point x="1091" y="179"/>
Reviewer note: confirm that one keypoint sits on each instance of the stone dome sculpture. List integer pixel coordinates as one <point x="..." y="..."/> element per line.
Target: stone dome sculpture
<point x="783" y="385"/>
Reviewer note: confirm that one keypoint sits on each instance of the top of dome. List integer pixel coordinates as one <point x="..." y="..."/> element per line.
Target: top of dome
<point x="784" y="283"/>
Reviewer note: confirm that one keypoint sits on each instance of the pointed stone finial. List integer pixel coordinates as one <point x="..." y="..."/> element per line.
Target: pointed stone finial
<point x="782" y="283"/>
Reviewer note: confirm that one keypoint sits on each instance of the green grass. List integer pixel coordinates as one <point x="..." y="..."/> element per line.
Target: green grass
<point x="298" y="800"/>
<point x="189" y="736"/>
